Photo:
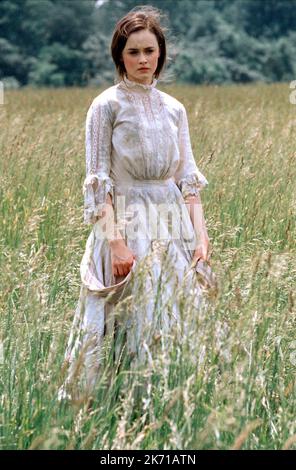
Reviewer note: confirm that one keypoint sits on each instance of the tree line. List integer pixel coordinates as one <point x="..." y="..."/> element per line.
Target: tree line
<point x="67" y="42"/>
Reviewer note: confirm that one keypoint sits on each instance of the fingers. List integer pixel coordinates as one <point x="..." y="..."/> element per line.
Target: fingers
<point x="200" y="256"/>
<point x="122" y="268"/>
<point x="203" y="253"/>
<point x="122" y="261"/>
<point x="120" y="271"/>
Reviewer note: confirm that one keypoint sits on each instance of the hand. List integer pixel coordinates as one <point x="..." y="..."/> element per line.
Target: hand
<point x="203" y="249"/>
<point x="122" y="259"/>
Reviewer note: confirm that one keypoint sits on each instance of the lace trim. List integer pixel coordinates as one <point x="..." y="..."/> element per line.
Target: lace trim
<point x="98" y="138"/>
<point x="192" y="184"/>
<point x="140" y="86"/>
<point x="95" y="190"/>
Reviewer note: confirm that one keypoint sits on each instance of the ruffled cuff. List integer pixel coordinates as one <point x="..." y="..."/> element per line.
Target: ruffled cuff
<point x="192" y="184"/>
<point x="95" y="190"/>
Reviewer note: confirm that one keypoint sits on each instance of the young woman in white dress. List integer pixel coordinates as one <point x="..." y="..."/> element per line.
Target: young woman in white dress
<point x="140" y="171"/>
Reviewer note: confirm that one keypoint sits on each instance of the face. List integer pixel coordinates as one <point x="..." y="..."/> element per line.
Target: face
<point x="141" y="52"/>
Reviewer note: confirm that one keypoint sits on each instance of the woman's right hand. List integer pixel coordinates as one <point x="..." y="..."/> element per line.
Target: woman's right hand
<point x="122" y="258"/>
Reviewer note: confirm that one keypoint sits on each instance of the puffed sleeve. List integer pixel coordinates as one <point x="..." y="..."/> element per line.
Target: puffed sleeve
<point x="98" y="138"/>
<point x="187" y="177"/>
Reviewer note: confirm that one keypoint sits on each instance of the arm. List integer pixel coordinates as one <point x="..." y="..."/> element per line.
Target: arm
<point x="98" y="187"/>
<point x="194" y="207"/>
<point x="121" y="256"/>
<point x="190" y="182"/>
<point x="98" y="137"/>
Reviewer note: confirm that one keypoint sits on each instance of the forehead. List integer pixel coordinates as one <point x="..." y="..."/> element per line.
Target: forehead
<point x="142" y="38"/>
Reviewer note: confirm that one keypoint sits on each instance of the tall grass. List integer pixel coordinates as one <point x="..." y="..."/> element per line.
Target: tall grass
<point x="228" y="384"/>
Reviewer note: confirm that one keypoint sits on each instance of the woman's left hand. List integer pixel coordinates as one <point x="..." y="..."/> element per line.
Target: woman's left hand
<point x="203" y="248"/>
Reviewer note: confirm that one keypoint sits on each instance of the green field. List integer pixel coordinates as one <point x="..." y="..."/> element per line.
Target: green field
<point x="238" y="391"/>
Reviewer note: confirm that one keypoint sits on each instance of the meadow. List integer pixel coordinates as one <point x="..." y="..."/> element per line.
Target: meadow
<point x="238" y="390"/>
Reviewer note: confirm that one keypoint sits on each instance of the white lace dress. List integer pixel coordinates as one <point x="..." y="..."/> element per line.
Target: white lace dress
<point x="137" y="149"/>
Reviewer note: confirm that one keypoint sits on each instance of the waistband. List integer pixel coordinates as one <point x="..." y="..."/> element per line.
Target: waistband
<point x="132" y="183"/>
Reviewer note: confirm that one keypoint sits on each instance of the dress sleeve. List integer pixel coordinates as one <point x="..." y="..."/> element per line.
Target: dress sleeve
<point x="187" y="177"/>
<point x="98" y="138"/>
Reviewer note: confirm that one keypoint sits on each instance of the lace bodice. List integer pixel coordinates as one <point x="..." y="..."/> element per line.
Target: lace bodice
<point x="136" y="132"/>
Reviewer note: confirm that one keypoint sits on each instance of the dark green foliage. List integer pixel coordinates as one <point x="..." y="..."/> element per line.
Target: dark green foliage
<point x="65" y="43"/>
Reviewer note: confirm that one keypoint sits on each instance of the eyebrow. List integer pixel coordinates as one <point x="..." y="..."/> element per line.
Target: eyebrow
<point x="135" y="49"/>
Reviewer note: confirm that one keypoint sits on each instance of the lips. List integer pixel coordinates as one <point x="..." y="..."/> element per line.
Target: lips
<point x="143" y="69"/>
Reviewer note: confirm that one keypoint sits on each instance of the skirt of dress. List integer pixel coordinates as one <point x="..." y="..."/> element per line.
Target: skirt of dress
<point x="151" y="300"/>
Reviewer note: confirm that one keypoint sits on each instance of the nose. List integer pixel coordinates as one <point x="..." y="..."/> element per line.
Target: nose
<point x="143" y="59"/>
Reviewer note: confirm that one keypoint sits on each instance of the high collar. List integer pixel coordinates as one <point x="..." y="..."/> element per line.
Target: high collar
<point x="136" y="86"/>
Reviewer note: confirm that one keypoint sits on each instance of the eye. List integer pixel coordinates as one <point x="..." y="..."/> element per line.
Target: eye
<point x="149" y="51"/>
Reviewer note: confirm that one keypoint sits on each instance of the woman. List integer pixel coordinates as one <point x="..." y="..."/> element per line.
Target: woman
<point x="140" y="171"/>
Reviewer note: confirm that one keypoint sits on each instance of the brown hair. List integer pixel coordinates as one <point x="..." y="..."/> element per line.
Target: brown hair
<point x="138" y="18"/>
